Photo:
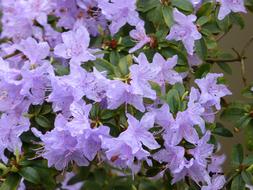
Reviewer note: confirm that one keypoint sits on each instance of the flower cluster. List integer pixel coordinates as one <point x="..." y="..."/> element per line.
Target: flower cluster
<point x="49" y="55"/>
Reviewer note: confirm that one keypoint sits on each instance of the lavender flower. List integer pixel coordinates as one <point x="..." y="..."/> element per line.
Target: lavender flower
<point x="140" y="36"/>
<point x="119" y="12"/>
<point x="141" y="74"/>
<point x="228" y="6"/>
<point x="184" y="30"/>
<point x="119" y="93"/>
<point x="211" y="92"/>
<point x="167" y="73"/>
<point x="33" y="50"/>
<point x="11" y="129"/>
<point x="217" y="182"/>
<point x="123" y="149"/>
<point x="75" y="46"/>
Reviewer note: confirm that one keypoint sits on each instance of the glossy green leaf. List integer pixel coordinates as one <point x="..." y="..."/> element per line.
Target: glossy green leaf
<point x="167" y="15"/>
<point x="42" y="121"/>
<point x="237" y="154"/>
<point x="238" y="183"/>
<point x="30" y="174"/>
<point x="11" y="182"/>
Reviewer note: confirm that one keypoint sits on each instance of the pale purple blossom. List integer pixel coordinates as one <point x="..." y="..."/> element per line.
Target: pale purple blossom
<point x="228" y="6"/>
<point x="167" y="73"/>
<point x="211" y="92"/>
<point x="33" y="50"/>
<point x="119" y="12"/>
<point x="122" y="150"/>
<point x="119" y="93"/>
<point x="141" y="74"/>
<point x="184" y="30"/>
<point x="11" y="129"/>
<point x="217" y="182"/>
<point x="75" y="46"/>
<point x="139" y="34"/>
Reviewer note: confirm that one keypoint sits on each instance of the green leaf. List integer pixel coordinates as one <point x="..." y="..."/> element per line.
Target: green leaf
<point x="146" y="5"/>
<point x="114" y="57"/>
<point x="183" y="5"/>
<point x="107" y="114"/>
<point x="237" y="155"/>
<point x="205" y="9"/>
<point x="173" y="99"/>
<point x="180" y="88"/>
<point x="42" y="121"/>
<point x="232" y="113"/>
<point x="238" y="183"/>
<point x="124" y="64"/>
<point x="203" y="20"/>
<point x="46" y="108"/>
<point x="155" y="15"/>
<point x="104" y="65"/>
<point x="167" y="15"/>
<point x="247" y="177"/>
<point x="11" y="182"/>
<point x="237" y="19"/>
<point x="225" y="67"/>
<point x="201" y="48"/>
<point x="30" y="174"/>
<point x="243" y="121"/>
<point x="249" y="137"/>
<point x="202" y="70"/>
<point x="247" y="92"/>
<point x="210" y="42"/>
<point x="222" y="131"/>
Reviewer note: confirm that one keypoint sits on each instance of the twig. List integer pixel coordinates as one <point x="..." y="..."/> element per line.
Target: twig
<point x="11" y="55"/>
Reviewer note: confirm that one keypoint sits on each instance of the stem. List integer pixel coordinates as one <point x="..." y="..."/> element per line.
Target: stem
<point x="11" y="55"/>
<point x="210" y="60"/>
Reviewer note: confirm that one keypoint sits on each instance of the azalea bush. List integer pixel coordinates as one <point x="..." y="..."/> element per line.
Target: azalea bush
<point x="121" y="95"/>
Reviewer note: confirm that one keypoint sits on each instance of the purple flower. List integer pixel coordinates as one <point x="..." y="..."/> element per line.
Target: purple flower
<point x="194" y="171"/>
<point x="119" y="93"/>
<point x="183" y="128"/>
<point x="196" y="3"/>
<point x="139" y="34"/>
<point x="194" y="60"/>
<point x="60" y="147"/>
<point x="203" y="150"/>
<point x="211" y="92"/>
<point x="75" y="46"/>
<point x="61" y="94"/>
<point x="64" y="184"/>
<point x="217" y="182"/>
<point x="163" y="117"/>
<point x="141" y="74"/>
<point x="228" y="6"/>
<point x="91" y="16"/>
<point x="33" y="50"/>
<point x="119" y="12"/>
<point x="184" y="30"/>
<point x="11" y="129"/>
<point x="216" y="163"/>
<point x="93" y="85"/>
<point x="72" y="140"/>
<point x="195" y="110"/>
<point x="123" y="149"/>
<point x="173" y="156"/>
<point x="66" y="10"/>
<point x="167" y="73"/>
<point x="39" y="9"/>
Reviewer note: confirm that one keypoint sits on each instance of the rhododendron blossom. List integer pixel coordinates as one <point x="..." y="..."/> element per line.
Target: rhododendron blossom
<point x="120" y="94"/>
